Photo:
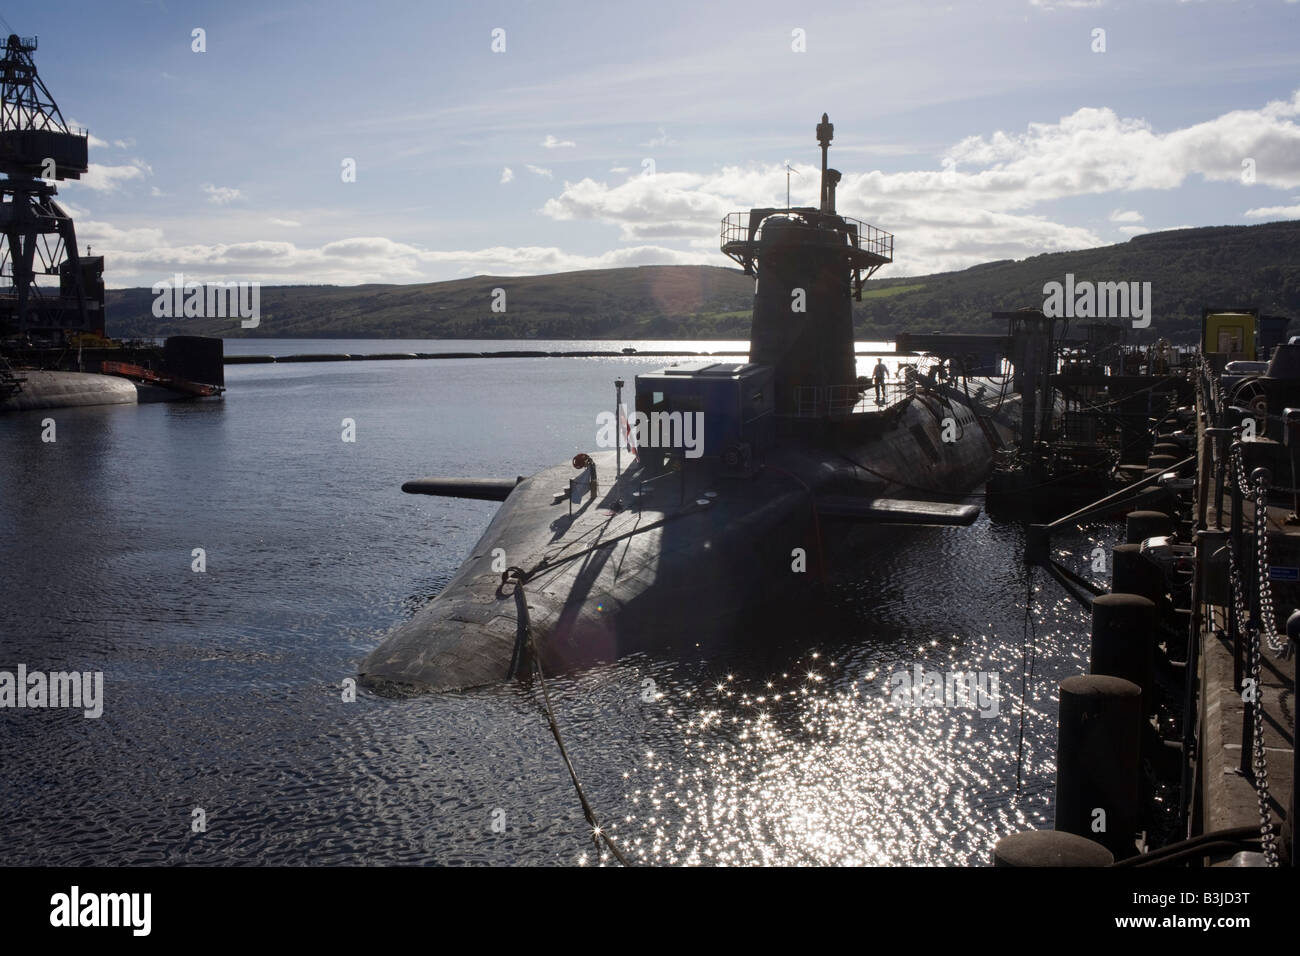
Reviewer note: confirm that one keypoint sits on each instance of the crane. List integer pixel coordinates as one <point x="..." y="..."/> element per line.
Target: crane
<point x="37" y="236"/>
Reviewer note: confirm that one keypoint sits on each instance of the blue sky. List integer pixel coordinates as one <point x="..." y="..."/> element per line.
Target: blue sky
<point x="973" y="131"/>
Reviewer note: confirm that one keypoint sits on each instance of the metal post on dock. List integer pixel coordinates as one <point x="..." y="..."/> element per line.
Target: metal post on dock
<point x="618" y="428"/>
<point x="1035" y="848"/>
<point x="1123" y="642"/>
<point x="1204" y="459"/>
<point x="1291" y="438"/>
<point x="1219" y="438"/>
<point x="1098" y="760"/>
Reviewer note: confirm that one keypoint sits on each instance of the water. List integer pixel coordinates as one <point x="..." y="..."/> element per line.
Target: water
<point x="223" y="689"/>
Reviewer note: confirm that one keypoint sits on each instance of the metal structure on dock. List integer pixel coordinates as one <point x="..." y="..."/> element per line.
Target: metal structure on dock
<point x="37" y="236"/>
<point x="1091" y="403"/>
<point x="1180" y="738"/>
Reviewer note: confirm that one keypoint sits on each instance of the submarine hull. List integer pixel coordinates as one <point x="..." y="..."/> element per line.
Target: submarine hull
<point x="672" y="561"/>
<point x="56" y="389"/>
<point x="750" y="481"/>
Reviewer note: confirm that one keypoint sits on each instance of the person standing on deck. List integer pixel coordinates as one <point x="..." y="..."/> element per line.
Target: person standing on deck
<point x="878" y="375"/>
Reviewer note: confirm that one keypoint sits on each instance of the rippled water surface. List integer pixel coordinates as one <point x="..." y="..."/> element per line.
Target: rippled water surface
<point x="223" y="689"/>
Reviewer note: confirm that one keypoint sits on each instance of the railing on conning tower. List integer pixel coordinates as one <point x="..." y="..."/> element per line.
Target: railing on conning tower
<point x="866" y="248"/>
<point x="839" y="401"/>
<point x="865" y="237"/>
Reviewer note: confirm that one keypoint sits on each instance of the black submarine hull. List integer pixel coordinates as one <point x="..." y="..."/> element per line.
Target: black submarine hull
<point x="670" y="560"/>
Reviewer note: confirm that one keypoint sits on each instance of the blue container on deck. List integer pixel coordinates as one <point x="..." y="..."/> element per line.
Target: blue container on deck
<point x="736" y="400"/>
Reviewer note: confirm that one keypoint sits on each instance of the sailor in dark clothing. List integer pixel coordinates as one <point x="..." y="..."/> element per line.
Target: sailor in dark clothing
<point x="878" y="375"/>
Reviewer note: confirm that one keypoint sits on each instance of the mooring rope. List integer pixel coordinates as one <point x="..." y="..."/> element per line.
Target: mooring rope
<point x="549" y="563"/>
<point x="524" y="632"/>
<point x="1027" y="653"/>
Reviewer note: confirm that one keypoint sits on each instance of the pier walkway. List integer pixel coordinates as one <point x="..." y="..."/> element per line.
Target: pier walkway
<point x="1235" y="778"/>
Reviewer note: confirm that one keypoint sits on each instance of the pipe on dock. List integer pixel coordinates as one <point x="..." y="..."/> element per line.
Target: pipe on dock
<point x="1124" y="642"/>
<point x="1099" y="736"/>
<point x="1112" y="501"/>
<point x="1049" y="848"/>
<point x="1212" y="549"/>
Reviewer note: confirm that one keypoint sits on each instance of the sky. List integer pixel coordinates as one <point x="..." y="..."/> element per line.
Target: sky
<point x="537" y="137"/>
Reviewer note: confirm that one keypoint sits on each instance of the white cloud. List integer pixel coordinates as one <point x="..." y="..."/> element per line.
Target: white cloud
<point x="109" y="178"/>
<point x="140" y="257"/>
<point x="119" y="240"/>
<point x="95" y="141"/>
<point x="938" y="235"/>
<point x="1095" y="151"/>
<point x="981" y="206"/>
<point x="287" y="223"/>
<point x="990" y="201"/>
<point x="663" y="139"/>
<point x="552" y="143"/>
<point x="507" y="175"/>
<point x="221" y="195"/>
<point x="665" y="205"/>
<point x="1274" y="212"/>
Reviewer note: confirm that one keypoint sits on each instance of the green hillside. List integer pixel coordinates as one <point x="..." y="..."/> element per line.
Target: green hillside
<point x="1247" y="266"/>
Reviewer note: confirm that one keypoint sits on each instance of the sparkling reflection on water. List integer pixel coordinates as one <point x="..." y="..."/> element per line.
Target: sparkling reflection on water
<point x="223" y="690"/>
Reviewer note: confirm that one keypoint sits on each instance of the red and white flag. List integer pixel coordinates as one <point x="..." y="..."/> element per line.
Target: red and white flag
<point x="627" y="430"/>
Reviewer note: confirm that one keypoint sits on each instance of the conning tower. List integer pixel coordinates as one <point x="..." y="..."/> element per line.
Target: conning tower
<point x="808" y="261"/>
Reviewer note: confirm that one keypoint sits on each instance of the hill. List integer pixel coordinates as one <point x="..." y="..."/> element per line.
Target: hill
<point x="1255" y="266"/>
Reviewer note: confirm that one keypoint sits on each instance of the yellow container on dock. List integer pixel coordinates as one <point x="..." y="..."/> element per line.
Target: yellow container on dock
<point x="1229" y="333"/>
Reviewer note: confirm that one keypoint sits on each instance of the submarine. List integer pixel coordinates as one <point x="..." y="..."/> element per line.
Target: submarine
<point x="730" y="491"/>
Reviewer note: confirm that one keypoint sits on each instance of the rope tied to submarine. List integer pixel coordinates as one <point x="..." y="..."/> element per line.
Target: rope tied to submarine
<point x="1028" y="654"/>
<point x="550" y="563"/>
<point x="524" y="635"/>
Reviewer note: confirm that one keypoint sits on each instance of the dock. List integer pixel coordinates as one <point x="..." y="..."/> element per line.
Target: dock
<point x="1244" y="757"/>
<point x="1177" y="747"/>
